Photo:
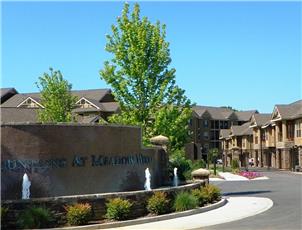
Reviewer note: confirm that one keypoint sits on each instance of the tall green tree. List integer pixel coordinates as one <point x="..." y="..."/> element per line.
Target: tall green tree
<point x="141" y="79"/>
<point x="55" y="97"/>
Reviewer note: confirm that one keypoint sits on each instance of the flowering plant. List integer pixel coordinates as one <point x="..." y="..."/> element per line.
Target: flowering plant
<point x="250" y="175"/>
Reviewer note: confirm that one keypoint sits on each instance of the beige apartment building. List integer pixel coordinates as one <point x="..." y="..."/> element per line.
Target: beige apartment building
<point x="287" y="122"/>
<point x="257" y="121"/>
<point x="205" y="126"/>
<point x="272" y="140"/>
<point x="237" y="143"/>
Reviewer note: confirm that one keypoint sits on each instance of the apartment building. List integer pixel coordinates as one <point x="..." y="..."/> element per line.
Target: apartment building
<point x="90" y="107"/>
<point x="287" y="121"/>
<point x="272" y="140"/>
<point x="205" y="126"/>
<point x="257" y="121"/>
<point x="237" y="144"/>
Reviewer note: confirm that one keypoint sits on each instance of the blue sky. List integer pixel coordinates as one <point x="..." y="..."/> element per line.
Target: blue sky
<point x="243" y="54"/>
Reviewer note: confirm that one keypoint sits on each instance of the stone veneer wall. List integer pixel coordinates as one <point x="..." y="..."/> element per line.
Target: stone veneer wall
<point x="97" y="201"/>
<point x="73" y="159"/>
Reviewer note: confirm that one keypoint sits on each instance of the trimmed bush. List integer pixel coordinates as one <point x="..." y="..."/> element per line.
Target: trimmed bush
<point x="35" y="217"/>
<point x="211" y="193"/>
<point x="158" y="203"/>
<point x="185" y="201"/>
<point x="202" y="199"/>
<point x="78" y="214"/>
<point x="118" y="209"/>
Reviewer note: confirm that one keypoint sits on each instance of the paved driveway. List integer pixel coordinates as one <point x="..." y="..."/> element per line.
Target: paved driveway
<point x="284" y="188"/>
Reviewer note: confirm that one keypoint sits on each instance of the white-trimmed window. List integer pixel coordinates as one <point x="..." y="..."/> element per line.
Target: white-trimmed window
<point x="298" y="129"/>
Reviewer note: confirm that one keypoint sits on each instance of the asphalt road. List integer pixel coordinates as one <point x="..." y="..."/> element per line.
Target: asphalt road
<point x="283" y="188"/>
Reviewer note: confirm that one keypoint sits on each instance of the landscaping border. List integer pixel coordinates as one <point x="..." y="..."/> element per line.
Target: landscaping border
<point x="97" y="201"/>
<point x="144" y="220"/>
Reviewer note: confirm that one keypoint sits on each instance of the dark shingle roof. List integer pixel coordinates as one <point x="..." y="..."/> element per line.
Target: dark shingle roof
<point x="242" y="129"/>
<point x="14" y="101"/>
<point x="290" y="111"/>
<point x="93" y="95"/>
<point x="217" y="113"/>
<point x="260" y="119"/>
<point x="7" y="93"/>
<point x="223" y="113"/>
<point x="245" y="115"/>
<point x="19" y="115"/>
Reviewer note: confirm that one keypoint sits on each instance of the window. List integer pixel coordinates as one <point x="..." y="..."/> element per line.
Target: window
<point x="226" y="125"/>
<point x="206" y="135"/>
<point x="221" y="124"/>
<point x="298" y="129"/>
<point x="212" y="124"/>
<point x="256" y="139"/>
<point x="290" y="130"/>
<point x="205" y="123"/>
<point x="216" y="124"/>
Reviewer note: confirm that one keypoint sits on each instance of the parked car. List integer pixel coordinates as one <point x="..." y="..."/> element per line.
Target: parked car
<point x="219" y="161"/>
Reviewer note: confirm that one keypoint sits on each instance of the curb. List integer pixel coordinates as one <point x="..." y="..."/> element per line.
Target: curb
<point x="144" y="220"/>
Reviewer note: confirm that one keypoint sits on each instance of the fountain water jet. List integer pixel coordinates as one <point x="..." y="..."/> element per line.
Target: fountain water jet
<point x="25" y="187"/>
<point x="175" y="178"/>
<point x="147" y="185"/>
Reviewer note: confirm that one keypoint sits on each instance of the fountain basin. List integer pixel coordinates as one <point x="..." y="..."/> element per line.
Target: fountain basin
<point x="97" y="201"/>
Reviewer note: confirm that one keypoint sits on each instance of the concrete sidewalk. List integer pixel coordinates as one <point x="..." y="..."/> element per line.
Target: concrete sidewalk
<point x="232" y="177"/>
<point x="237" y="208"/>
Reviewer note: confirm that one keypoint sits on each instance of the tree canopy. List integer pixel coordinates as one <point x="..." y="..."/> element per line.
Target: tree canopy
<point x="141" y="79"/>
<point x="55" y="97"/>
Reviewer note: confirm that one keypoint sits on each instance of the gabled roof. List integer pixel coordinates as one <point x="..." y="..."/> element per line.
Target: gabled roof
<point x="93" y="95"/>
<point x="287" y="112"/>
<point x="245" y="115"/>
<point x="14" y="101"/>
<point x="241" y="130"/>
<point x="216" y="113"/>
<point x="259" y="119"/>
<point x="223" y="113"/>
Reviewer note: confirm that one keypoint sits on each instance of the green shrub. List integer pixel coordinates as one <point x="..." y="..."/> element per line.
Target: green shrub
<point x="118" y="209"/>
<point x="185" y="201"/>
<point x="158" y="203"/>
<point x="234" y="164"/>
<point x="200" y="196"/>
<point x="35" y="217"/>
<point x="211" y="193"/>
<point x="78" y="214"/>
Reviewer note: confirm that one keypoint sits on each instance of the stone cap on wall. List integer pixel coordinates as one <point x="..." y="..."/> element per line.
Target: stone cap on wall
<point x="64" y="124"/>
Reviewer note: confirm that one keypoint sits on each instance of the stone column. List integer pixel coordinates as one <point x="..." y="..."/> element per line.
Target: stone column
<point x="162" y="141"/>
